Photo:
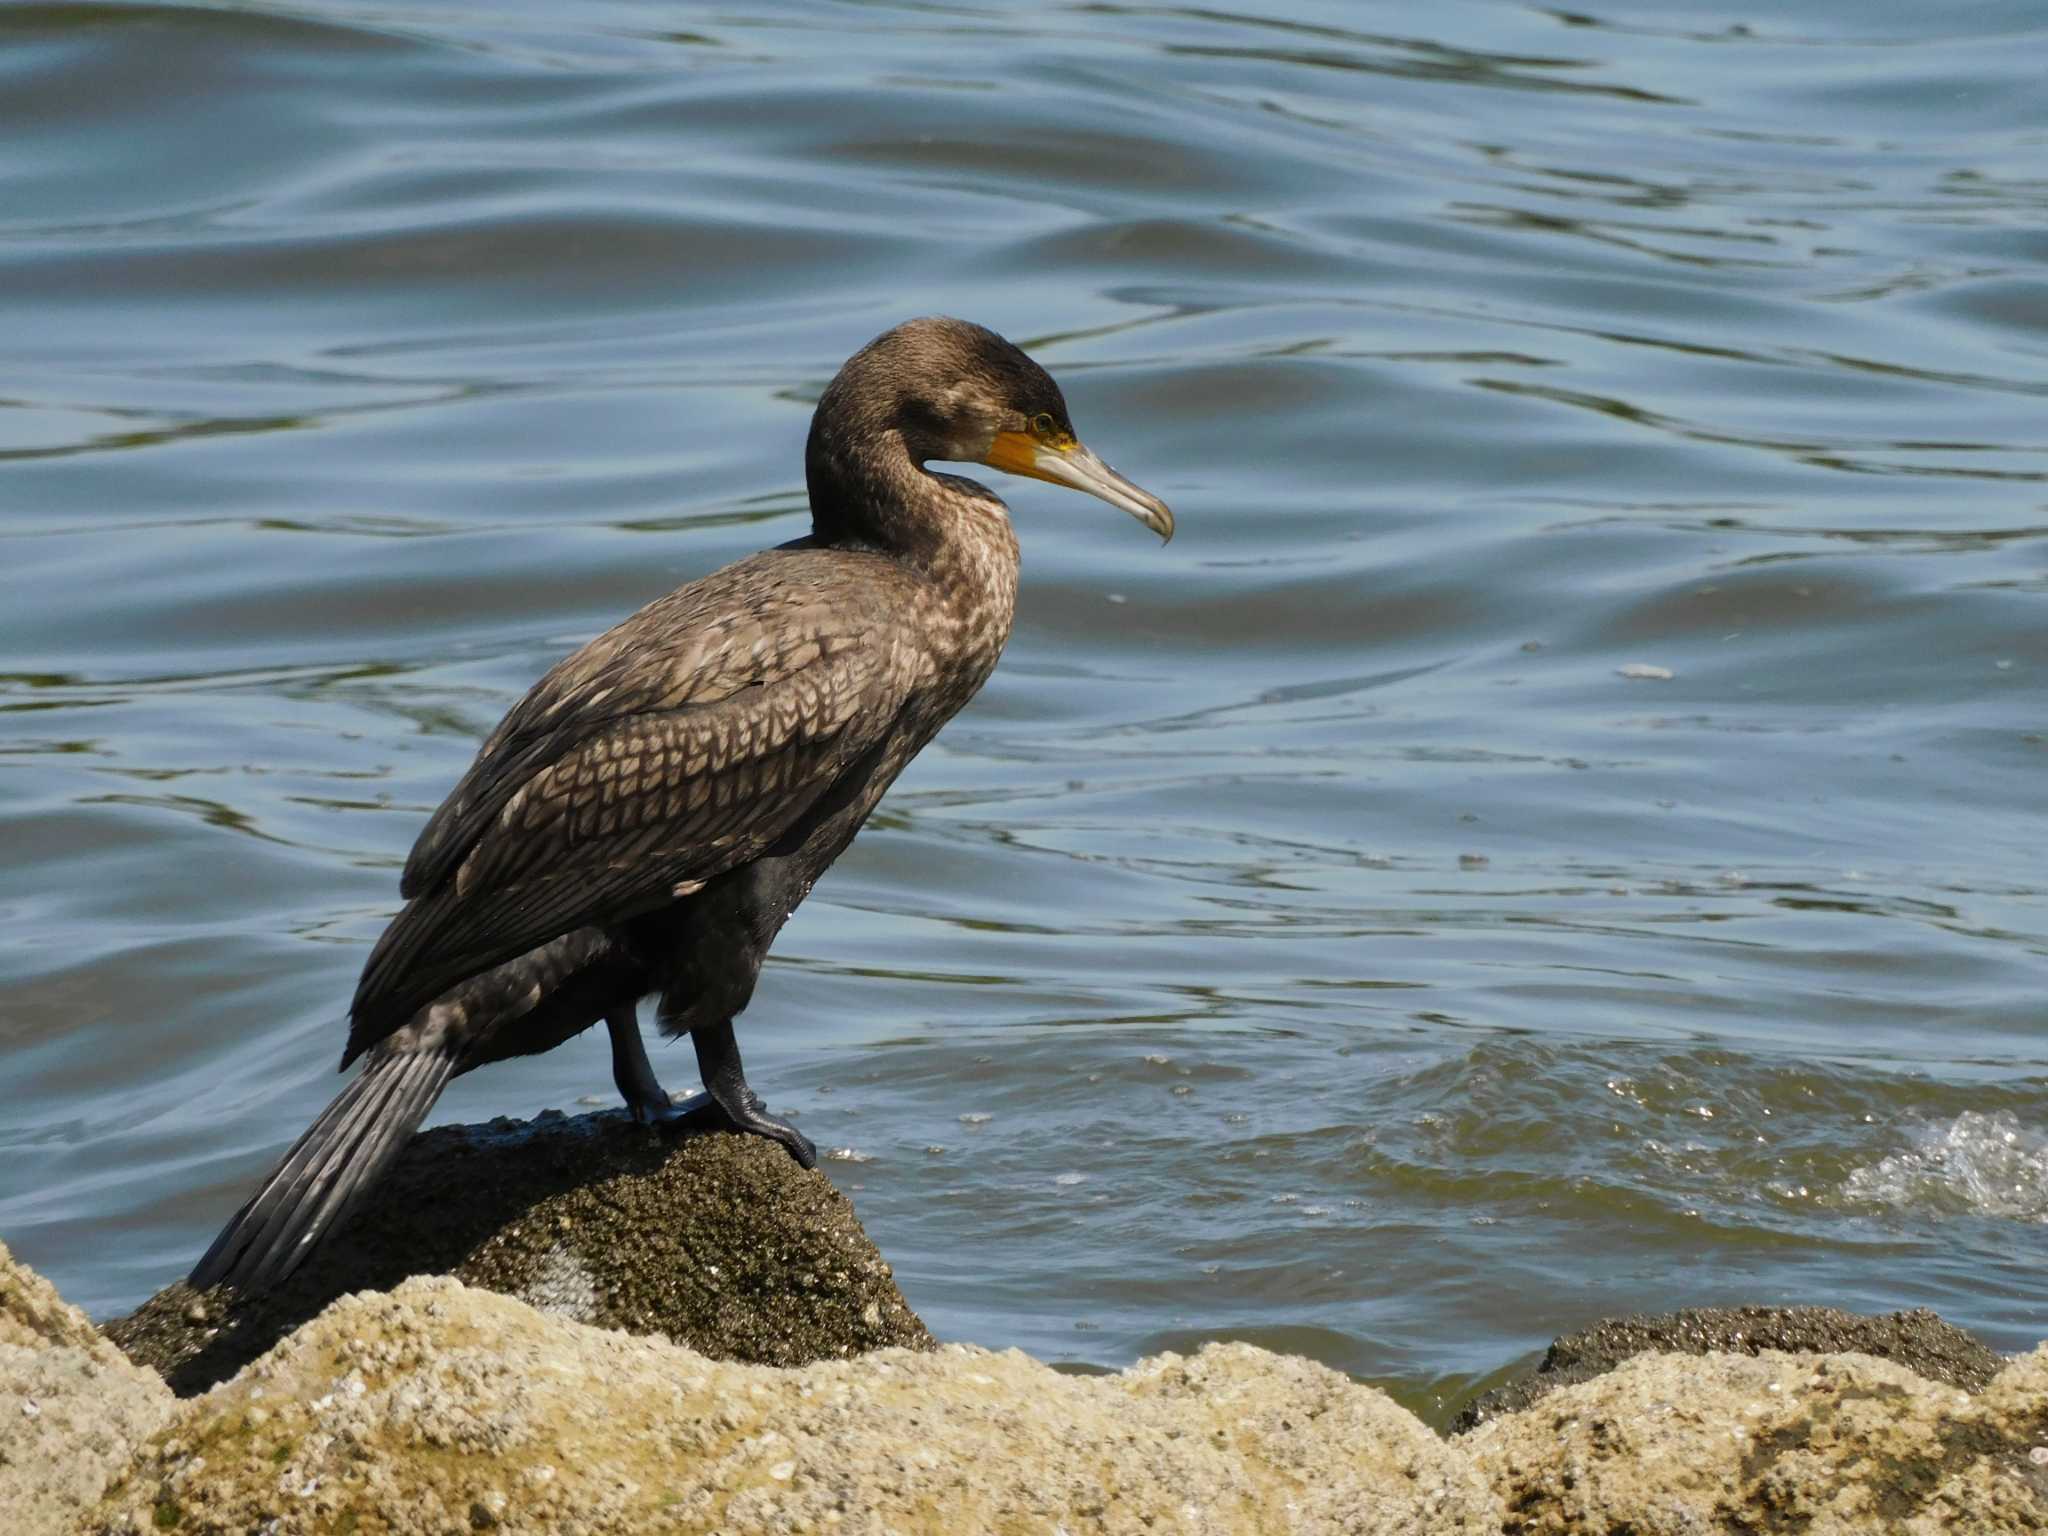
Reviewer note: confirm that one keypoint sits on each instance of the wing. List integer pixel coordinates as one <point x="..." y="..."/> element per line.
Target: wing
<point x="747" y="624"/>
<point x="676" y="747"/>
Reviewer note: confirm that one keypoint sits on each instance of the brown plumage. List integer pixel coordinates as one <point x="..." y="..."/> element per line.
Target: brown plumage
<point x="679" y="746"/>
<point x="649" y="815"/>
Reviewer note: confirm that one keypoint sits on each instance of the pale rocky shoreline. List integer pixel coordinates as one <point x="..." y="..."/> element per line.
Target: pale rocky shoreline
<point x="560" y="1379"/>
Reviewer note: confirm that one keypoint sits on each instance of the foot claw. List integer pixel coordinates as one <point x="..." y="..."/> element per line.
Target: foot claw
<point x="729" y="1104"/>
<point x="701" y="1112"/>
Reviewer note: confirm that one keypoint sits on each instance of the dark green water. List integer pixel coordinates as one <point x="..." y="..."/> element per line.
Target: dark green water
<point x="1320" y="932"/>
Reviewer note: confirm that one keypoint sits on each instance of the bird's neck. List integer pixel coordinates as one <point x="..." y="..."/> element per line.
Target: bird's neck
<point x="873" y="495"/>
<point x="952" y="531"/>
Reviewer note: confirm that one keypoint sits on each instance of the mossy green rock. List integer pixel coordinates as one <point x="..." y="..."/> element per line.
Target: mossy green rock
<point x="1931" y="1348"/>
<point x="718" y="1242"/>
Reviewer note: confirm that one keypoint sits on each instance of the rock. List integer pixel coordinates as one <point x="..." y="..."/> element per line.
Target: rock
<point x="438" y="1408"/>
<point x="2017" y="1399"/>
<point x="33" y="1316"/>
<point x="73" y="1411"/>
<point x="718" y="1242"/>
<point x="1834" y="1445"/>
<point x="442" y="1408"/>
<point x="1918" y="1339"/>
<point x="445" y="1407"/>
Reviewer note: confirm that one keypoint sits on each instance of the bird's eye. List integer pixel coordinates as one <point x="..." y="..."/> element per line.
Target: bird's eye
<point x="1042" y="425"/>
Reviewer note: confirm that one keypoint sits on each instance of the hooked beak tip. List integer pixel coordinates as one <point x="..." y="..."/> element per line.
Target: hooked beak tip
<point x="1072" y="465"/>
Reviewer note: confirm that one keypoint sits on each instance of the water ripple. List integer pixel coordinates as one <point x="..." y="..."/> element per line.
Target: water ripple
<point x="1550" y="836"/>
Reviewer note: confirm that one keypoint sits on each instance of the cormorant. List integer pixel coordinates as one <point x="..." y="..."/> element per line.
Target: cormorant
<point x="649" y="815"/>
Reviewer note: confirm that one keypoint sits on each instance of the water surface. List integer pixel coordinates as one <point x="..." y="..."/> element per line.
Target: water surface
<point x="1558" y="833"/>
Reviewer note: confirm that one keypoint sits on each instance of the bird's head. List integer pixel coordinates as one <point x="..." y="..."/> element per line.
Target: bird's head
<point x="956" y="391"/>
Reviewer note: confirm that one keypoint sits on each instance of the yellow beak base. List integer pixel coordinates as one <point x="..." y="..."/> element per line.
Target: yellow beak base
<point x="1063" y="461"/>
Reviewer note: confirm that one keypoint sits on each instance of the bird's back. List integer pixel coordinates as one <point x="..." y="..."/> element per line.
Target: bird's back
<point x="671" y="749"/>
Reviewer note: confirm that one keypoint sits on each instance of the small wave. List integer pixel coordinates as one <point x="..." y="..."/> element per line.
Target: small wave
<point x="1987" y="1165"/>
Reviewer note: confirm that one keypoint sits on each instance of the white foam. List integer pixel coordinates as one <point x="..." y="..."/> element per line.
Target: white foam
<point x="1990" y="1165"/>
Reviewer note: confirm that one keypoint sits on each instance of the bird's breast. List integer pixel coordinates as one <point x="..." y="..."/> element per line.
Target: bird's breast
<point x="972" y="596"/>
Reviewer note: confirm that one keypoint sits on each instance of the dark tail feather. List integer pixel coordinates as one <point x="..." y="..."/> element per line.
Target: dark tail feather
<point x="327" y="1171"/>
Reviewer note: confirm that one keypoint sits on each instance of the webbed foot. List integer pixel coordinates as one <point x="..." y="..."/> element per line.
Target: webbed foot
<point x="703" y="1112"/>
<point x="729" y="1104"/>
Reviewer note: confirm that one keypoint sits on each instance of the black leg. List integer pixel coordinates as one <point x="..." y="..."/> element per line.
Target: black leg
<point x="632" y="1071"/>
<point x="728" y="1104"/>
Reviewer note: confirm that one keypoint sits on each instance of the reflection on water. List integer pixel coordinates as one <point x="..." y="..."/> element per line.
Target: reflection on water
<point x="1553" y="834"/>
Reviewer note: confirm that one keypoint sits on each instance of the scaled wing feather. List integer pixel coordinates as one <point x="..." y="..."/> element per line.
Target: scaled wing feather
<point x="631" y="770"/>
